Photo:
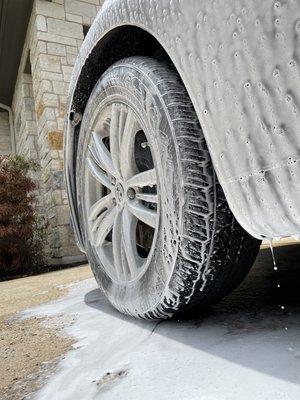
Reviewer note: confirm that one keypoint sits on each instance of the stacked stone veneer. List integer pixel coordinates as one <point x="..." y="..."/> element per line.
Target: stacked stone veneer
<point x="55" y="34"/>
<point x="5" y="137"/>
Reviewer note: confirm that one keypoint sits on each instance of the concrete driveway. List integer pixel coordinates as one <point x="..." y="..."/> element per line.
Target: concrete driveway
<point x="245" y="348"/>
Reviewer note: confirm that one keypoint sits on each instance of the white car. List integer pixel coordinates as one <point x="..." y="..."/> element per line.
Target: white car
<point x="182" y="146"/>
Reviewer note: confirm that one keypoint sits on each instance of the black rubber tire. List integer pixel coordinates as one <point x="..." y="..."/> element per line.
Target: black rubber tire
<point x="211" y="253"/>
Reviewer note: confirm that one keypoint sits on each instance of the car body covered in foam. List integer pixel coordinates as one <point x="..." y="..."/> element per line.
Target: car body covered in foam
<point x="240" y="63"/>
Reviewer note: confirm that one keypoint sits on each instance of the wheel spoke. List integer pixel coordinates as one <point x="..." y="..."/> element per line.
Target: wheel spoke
<point x="143" y="213"/>
<point x="105" y="255"/>
<point x="149" y="198"/>
<point x="97" y="173"/>
<point x="129" y="240"/>
<point x="96" y="223"/>
<point x="126" y="149"/>
<point x="147" y="178"/>
<point x="103" y="156"/>
<point x="114" y="136"/>
<point x="100" y="206"/>
<point x="122" y="122"/>
<point x="117" y="245"/>
<point x="105" y="226"/>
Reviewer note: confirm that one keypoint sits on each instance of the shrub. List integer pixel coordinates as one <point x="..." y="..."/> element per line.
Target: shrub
<point x="22" y="230"/>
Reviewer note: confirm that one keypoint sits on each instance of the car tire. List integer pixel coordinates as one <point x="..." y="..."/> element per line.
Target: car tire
<point x="163" y="241"/>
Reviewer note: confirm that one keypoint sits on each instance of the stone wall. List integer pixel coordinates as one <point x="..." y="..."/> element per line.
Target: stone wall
<point x="55" y="34"/>
<point x="5" y="138"/>
<point x="25" y="118"/>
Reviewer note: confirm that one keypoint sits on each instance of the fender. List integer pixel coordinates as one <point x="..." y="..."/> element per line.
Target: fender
<point x="239" y="61"/>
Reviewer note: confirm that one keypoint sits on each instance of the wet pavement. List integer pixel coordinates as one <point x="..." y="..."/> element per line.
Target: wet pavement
<point x="246" y="347"/>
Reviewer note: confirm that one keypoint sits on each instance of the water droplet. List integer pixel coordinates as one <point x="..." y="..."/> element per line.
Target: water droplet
<point x="292" y="63"/>
<point x="273" y="255"/>
<point x="277" y="5"/>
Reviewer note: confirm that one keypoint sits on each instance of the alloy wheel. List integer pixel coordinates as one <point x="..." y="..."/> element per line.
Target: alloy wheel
<point x="122" y="199"/>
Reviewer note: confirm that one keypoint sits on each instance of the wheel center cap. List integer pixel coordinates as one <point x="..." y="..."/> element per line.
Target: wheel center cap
<point x="119" y="191"/>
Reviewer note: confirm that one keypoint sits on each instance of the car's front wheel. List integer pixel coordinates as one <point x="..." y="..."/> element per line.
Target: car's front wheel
<point x="159" y="234"/>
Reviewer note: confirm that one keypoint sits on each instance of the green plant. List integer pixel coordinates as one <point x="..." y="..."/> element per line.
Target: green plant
<point x="22" y="230"/>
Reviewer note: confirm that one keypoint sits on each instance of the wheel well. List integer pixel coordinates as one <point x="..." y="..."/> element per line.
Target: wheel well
<point x="121" y="42"/>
